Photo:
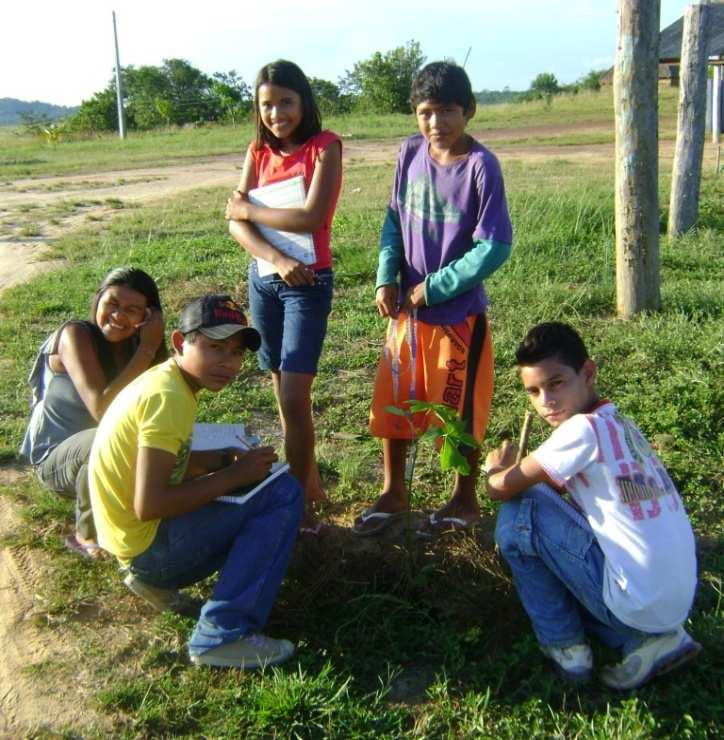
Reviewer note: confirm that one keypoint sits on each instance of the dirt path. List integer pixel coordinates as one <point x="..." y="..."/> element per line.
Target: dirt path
<point x="28" y="694"/>
<point x="35" y="212"/>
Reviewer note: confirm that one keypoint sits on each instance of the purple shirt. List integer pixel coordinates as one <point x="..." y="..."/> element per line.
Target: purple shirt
<point x="443" y="210"/>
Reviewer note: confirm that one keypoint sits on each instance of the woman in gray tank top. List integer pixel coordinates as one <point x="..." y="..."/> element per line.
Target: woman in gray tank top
<point x="79" y="370"/>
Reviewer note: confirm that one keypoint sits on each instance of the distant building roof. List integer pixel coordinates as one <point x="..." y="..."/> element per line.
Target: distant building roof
<point x="670" y="38"/>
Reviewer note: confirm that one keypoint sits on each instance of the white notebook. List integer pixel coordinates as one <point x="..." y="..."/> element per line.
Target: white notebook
<point x="219" y="436"/>
<point x="284" y="194"/>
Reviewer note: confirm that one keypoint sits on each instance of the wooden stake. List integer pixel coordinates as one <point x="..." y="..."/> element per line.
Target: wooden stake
<point x="635" y="90"/>
<point x="524" y="434"/>
<point x="690" y="133"/>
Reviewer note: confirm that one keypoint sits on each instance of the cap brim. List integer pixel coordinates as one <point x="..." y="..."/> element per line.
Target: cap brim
<point x="252" y="338"/>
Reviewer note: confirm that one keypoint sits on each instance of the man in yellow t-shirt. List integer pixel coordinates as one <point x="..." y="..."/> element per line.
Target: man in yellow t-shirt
<point x="165" y="526"/>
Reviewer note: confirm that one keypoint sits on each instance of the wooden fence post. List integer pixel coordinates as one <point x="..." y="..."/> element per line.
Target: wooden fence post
<point x="690" y="132"/>
<point x="635" y="90"/>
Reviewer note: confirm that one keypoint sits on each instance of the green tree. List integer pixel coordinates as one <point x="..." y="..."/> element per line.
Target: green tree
<point x="142" y="88"/>
<point x="381" y="83"/>
<point x="174" y="93"/>
<point x="330" y="99"/>
<point x="99" y="113"/>
<point x="544" y="85"/>
<point x="233" y="96"/>
<point x="592" y="81"/>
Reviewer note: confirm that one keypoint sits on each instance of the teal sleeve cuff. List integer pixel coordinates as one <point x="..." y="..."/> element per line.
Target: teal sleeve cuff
<point x="465" y="273"/>
<point x="389" y="259"/>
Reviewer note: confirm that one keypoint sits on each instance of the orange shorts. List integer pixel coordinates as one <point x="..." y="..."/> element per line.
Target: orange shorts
<point x="450" y="364"/>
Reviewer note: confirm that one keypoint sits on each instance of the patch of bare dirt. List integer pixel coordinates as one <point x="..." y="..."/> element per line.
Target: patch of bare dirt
<point x="30" y="699"/>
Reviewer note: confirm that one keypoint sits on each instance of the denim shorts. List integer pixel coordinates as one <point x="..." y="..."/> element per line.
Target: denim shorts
<point x="292" y="321"/>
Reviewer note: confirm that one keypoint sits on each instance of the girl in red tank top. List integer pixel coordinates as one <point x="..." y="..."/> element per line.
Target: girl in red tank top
<point x="290" y="299"/>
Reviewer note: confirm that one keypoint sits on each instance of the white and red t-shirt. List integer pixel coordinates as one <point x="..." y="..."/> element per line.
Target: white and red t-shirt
<point x="636" y="514"/>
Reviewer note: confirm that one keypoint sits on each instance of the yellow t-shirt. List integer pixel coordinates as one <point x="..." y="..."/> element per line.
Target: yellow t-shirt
<point x="156" y="410"/>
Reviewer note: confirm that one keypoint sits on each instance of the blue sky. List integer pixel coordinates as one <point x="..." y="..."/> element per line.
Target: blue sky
<point x="62" y="52"/>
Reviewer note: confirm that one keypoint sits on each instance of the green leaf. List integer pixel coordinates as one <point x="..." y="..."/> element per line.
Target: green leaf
<point x="446" y="455"/>
<point x="432" y="434"/>
<point x="396" y="411"/>
<point x="417" y="406"/>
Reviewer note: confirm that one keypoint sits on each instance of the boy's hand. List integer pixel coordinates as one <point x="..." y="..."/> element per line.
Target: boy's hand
<point x="415" y="298"/>
<point x="252" y="466"/>
<point x="386" y="300"/>
<point x="502" y="458"/>
<point x="237" y="207"/>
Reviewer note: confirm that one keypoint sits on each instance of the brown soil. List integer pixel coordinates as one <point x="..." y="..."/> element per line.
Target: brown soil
<point x="30" y="699"/>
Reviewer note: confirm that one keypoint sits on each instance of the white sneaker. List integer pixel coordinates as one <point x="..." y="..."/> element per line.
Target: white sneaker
<point x="161" y="599"/>
<point x="657" y="655"/>
<point x="250" y="651"/>
<point x="574" y="663"/>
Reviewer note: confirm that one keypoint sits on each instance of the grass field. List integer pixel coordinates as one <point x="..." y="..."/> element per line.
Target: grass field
<point x="25" y="156"/>
<point x="425" y="640"/>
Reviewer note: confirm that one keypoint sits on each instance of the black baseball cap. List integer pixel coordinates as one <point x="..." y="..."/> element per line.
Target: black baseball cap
<point x="218" y="317"/>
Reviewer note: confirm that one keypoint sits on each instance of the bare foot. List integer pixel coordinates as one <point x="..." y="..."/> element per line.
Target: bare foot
<point x="458" y="513"/>
<point x="311" y="524"/>
<point x="388" y="503"/>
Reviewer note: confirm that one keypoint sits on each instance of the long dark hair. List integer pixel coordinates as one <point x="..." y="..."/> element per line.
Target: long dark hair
<point x="142" y="283"/>
<point x="287" y="74"/>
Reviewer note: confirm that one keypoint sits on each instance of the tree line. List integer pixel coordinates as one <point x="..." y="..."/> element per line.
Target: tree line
<point x="176" y="93"/>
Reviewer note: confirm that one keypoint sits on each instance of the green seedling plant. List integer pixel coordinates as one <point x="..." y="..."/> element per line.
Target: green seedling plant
<point x="449" y="435"/>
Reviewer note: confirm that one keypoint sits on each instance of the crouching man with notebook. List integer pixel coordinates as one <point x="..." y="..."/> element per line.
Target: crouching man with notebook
<point x="167" y="528"/>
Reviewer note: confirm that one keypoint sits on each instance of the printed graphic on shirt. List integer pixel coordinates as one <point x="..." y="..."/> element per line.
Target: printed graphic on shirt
<point x="642" y="484"/>
<point x="182" y="461"/>
<point x="426" y="205"/>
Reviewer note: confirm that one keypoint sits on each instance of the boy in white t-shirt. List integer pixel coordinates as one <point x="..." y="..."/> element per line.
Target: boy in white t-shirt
<point x="619" y="560"/>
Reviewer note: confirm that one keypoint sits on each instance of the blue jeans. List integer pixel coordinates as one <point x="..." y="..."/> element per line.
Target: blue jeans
<point x="557" y="567"/>
<point x="249" y="543"/>
<point x="292" y="321"/>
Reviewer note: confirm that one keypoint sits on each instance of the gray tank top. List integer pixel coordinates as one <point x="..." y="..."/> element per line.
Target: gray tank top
<point x="58" y="411"/>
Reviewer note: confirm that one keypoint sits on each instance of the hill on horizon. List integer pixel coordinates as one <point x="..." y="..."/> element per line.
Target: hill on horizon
<point x="12" y="110"/>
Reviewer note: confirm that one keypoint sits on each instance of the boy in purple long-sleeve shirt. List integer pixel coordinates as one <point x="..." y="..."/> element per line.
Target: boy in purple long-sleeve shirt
<point x="447" y="229"/>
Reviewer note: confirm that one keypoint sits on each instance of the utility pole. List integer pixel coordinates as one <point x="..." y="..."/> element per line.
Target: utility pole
<point x="635" y="90"/>
<point x="716" y="111"/>
<point x="119" y="91"/>
<point x="686" y="177"/>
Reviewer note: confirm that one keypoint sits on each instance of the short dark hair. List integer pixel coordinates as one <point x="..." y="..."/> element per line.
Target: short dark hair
<point x="442" y="82"/>
<point x="552" y="340"/>
<point x="287" y="74"/>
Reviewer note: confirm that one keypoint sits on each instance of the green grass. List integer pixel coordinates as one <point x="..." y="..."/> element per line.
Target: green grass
<point x="430" y="642"/>
<point x="27" y="157"/>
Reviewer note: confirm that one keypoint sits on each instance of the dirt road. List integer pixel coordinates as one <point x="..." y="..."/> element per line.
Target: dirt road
<point x="35" y="212"/>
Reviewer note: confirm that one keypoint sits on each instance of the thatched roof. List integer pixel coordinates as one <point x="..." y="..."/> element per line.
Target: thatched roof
<point x="670" y="38"/>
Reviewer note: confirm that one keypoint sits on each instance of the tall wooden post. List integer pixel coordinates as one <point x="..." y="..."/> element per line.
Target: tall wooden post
<point x="686" y="177"/>
<point x="635" y="90"/>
